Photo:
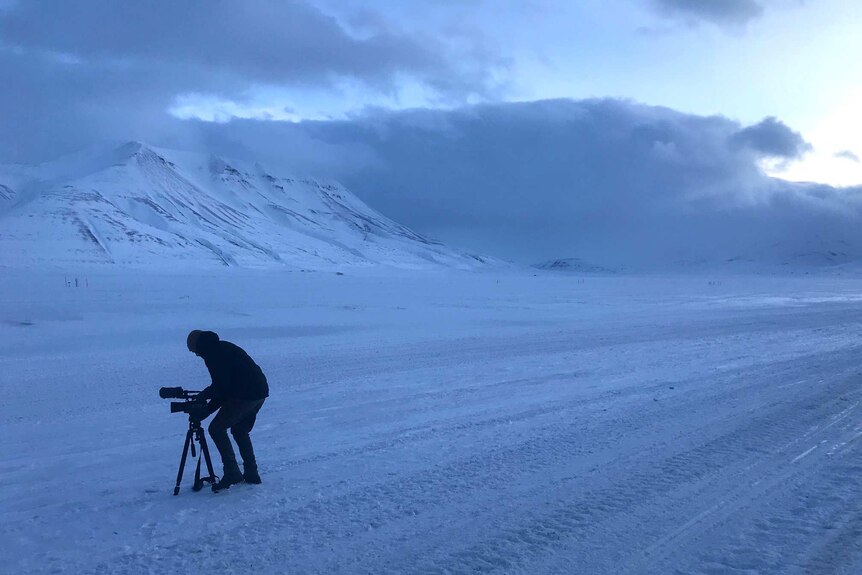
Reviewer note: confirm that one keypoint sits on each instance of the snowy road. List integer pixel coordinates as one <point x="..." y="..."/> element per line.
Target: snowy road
<point x="615" y="426"/>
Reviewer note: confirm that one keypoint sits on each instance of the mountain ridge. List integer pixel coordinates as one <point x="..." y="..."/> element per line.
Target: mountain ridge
<point x="143" y="206"/>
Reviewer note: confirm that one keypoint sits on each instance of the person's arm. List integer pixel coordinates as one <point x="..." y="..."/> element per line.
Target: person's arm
<point x="220" y="374"/>
<point x="211" y="407"/>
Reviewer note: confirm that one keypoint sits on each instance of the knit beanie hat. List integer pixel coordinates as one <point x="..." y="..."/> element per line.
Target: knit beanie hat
<point x="192" y="339"/>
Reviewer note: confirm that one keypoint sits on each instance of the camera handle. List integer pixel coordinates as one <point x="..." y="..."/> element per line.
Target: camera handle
<point x="196" y="434"/>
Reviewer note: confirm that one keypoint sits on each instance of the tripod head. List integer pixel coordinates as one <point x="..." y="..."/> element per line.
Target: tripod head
<point x="195" y="420"/>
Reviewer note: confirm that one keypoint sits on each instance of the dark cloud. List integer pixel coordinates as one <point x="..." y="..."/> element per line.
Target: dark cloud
<point x="266" y="41"/>
<point x="847" y="155"/>
<point x="51" y="106"/>
<point x="723" y="12"/>
<point x="77" y="72"/>
<point x="606" y="180"/>
<point x="772" y="138"/>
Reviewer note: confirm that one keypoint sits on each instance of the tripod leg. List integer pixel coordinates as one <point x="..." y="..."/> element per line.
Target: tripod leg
<point x="206" y="453"/>
<point x="183" y="461"/>
<point x="198" y="484"/>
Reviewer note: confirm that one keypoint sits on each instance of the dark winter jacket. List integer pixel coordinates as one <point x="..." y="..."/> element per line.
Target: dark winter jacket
<point x="234" y="374"/>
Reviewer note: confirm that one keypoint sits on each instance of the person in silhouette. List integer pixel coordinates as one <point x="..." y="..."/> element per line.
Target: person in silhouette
<point x="238" y="391"/>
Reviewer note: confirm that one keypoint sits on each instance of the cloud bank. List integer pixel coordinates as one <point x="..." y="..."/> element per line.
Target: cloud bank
<point x="609" y="181"/>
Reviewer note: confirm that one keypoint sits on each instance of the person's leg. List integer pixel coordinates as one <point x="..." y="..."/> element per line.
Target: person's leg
<point x="240" y="433"/>
<point x="227" y="416"/>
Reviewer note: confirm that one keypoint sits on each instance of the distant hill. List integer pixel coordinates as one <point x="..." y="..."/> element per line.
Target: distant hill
<point x="774" y="259"/>
<point x="573" y="265"/>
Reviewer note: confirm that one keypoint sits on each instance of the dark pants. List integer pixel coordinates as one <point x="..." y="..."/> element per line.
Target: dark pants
<point x="238" y="415"/>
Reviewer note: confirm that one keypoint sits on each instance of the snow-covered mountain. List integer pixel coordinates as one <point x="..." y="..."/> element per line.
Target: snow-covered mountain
<point x="142" y="206"/>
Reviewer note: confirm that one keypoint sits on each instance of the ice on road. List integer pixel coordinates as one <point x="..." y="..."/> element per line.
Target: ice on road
<point x="440" y="423"/>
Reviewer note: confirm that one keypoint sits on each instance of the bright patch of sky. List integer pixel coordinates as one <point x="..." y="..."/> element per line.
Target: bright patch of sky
<point x="836" y="137"/>
<point x="339" y="100"/>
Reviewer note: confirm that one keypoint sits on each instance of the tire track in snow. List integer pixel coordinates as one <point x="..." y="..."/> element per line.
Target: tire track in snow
<point x="780" y="523"/>
<point x="579" y="515"/>
<point x="746" y="490"/>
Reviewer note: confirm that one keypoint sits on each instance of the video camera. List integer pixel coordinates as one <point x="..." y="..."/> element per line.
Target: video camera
<point x="191" y="405"/>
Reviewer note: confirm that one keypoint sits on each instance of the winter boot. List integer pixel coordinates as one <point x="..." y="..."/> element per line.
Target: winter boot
<point x="250" y="474"/>
<point x="231" y="476"/>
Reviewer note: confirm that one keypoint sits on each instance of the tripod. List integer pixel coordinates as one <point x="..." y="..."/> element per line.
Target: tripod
<point x="196" y="433"/>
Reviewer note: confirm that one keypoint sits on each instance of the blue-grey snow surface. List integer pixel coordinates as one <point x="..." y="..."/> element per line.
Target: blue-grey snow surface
<point x="439" y="422"/>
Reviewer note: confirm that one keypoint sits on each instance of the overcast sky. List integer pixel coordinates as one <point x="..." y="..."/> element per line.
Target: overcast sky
<point x="702" y="97"/>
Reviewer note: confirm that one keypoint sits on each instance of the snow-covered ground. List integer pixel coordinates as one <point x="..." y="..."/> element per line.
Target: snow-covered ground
<point x="445" y="422"/>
